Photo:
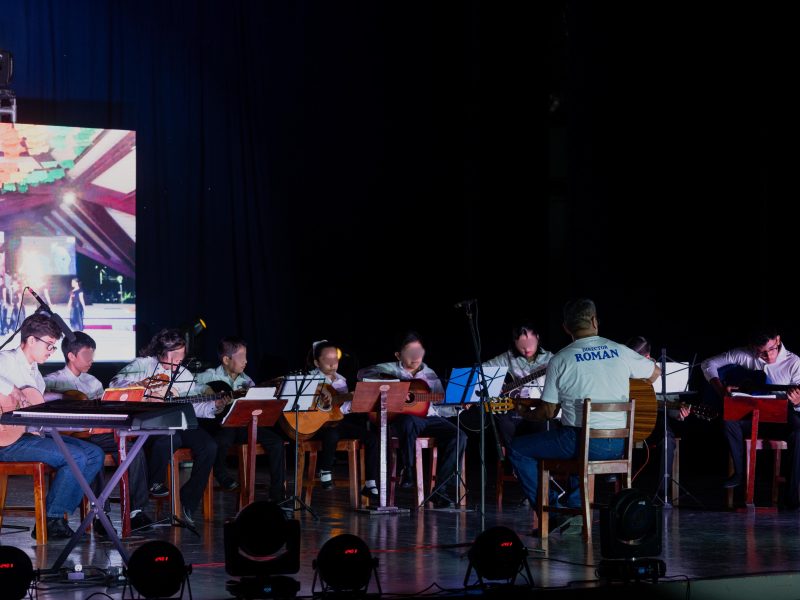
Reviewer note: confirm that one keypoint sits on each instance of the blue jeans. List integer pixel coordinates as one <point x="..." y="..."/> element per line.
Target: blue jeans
<point x="527" y="450"/>
<point x="65" y="492"/>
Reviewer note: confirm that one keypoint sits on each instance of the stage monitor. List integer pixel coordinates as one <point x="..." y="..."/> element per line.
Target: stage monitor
<point x="68" y="231"/>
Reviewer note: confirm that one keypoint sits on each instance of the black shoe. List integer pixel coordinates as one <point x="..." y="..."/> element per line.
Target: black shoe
<point x="407" y="479"/>
<point x="229" y="484"/>
<point x="188" y="516"/>
<point x="370" y="492"/>
<point x="141" y="522"/>
<point x="159" y="490"/>
<point x="441" y="500"/>
<point x="99" y="530"/>
<point x="732" y="482"/>
<point x="57" y="529"/>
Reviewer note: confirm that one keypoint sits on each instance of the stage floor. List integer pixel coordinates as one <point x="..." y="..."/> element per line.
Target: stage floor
<point x="706" y="548"/>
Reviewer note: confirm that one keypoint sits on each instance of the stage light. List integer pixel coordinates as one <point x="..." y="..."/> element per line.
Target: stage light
<point x="630" y="538"/>
<point x="345" y="564"/>
<point x="16" y="573"/>
<point x="69" y="198"/>
<point x="261" y="543"/>
<point x="156" y="570"/>
<point x="497" y="554"/>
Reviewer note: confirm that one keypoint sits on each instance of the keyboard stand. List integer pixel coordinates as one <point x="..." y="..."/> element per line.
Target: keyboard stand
<point x="96" y="503"/>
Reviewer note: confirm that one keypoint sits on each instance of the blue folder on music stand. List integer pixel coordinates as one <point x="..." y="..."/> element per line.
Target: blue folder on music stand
<point x="462" y="388"/>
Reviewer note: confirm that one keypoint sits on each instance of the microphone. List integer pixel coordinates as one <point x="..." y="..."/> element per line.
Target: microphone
<point x="54" y="316"/>
<point x="465" y="303"/>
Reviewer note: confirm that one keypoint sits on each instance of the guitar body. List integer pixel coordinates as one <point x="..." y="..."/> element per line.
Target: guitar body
<point x="644" y="419"/>
<point x="417" y="404"/>
<point x="311" y="421"/>
<point x="11" y="433"/>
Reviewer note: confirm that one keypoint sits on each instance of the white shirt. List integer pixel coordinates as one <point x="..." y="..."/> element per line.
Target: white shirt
<point x="65" y="380"/>
<point x="220" y="374"/>
<point x="397" y="371"/>
<point x="148" y="366"/>
<point x="784" y="371"/>
<point x="15" y="370"/>
<point x="596" y="368"/>
<point x="519" y="367"/>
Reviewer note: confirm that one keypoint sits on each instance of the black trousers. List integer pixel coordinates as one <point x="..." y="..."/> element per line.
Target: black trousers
<point x="268" y="437"/>
<point x="353" y="426"/>
<point x="137" y="472"/>
<point x="204" y="450"/>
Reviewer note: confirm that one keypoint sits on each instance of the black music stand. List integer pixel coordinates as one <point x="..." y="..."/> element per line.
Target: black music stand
<point x="173" y="520"/>
<point x="252" y="414"/>
<point x="667" y="477"/>
<point x="381" y="397"/>
<point x="302" y="385"/>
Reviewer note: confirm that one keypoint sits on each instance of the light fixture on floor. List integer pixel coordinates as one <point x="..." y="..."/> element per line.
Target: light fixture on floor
<point x="345" y="565"/>
<point x="497" y="554"/>
<point x="630" y="538"/>
<point x="262" y="545"/>
<point x="156" y="570"/>
<point x="16" y="573"/>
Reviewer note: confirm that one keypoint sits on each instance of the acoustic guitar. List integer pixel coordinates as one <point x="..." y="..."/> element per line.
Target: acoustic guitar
<point x="317" y="416"/>
<point x="417" y="403"/>
<point x="11" y="433"/>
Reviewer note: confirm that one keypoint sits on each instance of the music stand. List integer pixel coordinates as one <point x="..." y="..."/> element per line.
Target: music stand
<point x="385" y="396"/>
<point x="762" y="409"/>
<point x="463" y="388"/>
<point x="677" y="373"/>
<point x="252" y="414"/>
<point x="296" y="388"/>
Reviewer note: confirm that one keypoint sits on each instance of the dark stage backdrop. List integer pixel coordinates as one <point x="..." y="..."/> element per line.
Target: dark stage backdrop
<point x="347" y="170"/>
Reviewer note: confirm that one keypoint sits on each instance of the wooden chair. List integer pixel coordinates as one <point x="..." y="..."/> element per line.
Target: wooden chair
<point x="40" y="473"/>
<point x="310" y="479"/>
<point x="587" y="469"/>
<point x="776" y="446"/>
<point x="502" y="477"/>
<point x="185" y="455"/>
<point x="423" y="443"/>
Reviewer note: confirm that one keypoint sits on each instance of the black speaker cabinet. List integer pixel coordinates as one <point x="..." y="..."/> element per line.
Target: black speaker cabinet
<point x="630" y="526"/>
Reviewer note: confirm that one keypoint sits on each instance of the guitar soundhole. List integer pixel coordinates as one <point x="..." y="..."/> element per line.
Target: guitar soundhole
<point x="410" y="399"/>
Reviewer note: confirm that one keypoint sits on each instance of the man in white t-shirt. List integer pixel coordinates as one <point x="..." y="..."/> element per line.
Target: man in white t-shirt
<point x="590" y="367"/>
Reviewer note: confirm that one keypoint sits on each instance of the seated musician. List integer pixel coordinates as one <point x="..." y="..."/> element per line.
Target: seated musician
<point x="523" y="358"/>
<point x="353" y="425"/>
<point x="79" y="356"/>
<point x="19" y="369"/>
<point x="590" y="367"/>
<point x="159" y="369"/>
<point x="674" y="416"/>
<point x="765" y="352"/>
<point x="230" y="376"/>
<point x="408" y="367"/>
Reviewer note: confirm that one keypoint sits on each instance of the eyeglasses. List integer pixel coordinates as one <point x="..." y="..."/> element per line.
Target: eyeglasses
<point x="50" y="347"/>
<point x="768" y="351"/>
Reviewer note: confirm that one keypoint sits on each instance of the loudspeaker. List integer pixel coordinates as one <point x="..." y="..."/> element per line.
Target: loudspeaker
<point x="6" y="68"/>
<point x="630" y="526"/>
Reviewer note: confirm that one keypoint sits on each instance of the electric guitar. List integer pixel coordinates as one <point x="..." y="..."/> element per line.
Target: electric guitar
<point x="11" y="433"/>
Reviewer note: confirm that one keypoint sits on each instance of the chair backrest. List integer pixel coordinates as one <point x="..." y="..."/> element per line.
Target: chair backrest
<point x="626" y="432"/>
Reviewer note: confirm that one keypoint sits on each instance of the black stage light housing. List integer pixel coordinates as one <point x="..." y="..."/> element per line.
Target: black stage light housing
<point x="345" y="564"/>
<point x="16" y="573"/>
<point x="497" y="554"/>
<point x="630" y="526"/>
<point x="156" y="570"/>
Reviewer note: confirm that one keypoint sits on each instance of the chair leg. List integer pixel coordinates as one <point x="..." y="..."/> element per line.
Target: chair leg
<point x="498" y="484"/>
<point x="587" y="493"/>
<point x="352" y="465"/>
<point x="3" y="491"/>
<point x="40" y="511"/>
<point x="420" y="474"/>
<point x="543" y="503"/>
<point x="776" y="473"/>
<point x="208" y="498"/>
<point x="310" y="480"/>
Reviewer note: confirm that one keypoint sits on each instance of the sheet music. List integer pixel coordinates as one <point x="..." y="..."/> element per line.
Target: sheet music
<point x="260" y="393"/>
<point x="458" y="380"/>
<point x="308" y="388"/>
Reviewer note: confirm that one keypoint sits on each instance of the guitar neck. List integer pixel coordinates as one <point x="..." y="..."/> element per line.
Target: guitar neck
<point x="518" y="383"/>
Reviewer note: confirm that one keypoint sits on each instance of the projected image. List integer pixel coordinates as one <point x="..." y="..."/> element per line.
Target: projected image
<point x="68" y="231"/>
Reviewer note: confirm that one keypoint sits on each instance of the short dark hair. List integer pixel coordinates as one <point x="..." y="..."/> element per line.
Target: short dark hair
<point x="578" y="314"/>
<point x="164" y="341"/>
<point x="406" y="338"/>
<point x="759" y="336"/>
<point x="228" y="346"/>
<point x="39" y="324"/>
<point x="321" y="345"/>
<point x="517" y="331"/>
<point x="80" y="342"/>
<point x="639" y="345"/>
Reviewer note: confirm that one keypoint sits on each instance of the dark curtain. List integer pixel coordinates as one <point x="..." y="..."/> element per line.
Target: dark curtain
<point x="350" y="169"/>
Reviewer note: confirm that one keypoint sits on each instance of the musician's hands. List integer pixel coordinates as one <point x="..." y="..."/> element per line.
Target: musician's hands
<point x="219" y="404"/>
<point x="684" y="412"/>
<point x="326" y="398"/>
<point x="793" y="394"/>
<point x="16" y="398"/>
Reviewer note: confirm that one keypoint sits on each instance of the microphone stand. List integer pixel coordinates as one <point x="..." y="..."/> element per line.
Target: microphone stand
<point x="175" y="521"/>
<point x="483" y="404"/>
